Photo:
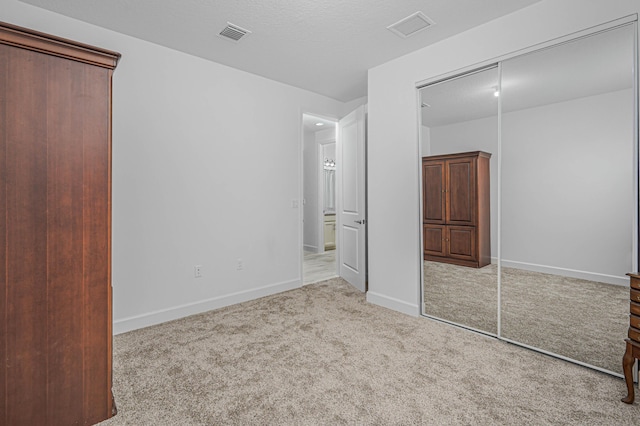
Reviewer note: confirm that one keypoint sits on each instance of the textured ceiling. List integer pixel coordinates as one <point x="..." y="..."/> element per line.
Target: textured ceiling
<point x="585" y="67"/>
<point x="325" y="46"/>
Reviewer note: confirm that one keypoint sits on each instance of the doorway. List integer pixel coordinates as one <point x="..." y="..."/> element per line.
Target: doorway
<point x="319" y="198"/>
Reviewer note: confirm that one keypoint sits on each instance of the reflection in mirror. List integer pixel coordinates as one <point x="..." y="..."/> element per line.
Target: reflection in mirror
<point x="459" y="136"/>
<point x="567" y="197"/>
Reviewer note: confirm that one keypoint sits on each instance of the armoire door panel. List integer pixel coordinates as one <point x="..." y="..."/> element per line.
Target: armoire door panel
<point x="434" y="240"/>
<point x="433" y="175"/>
<point x="4" y="65"/>
<point x="65" y="235"/>
<point x="460" y="191"/>
<point x="4" y="60"/>
<point x="24" y="89"/>
<point x="462" y="242"/>
<point x="97" y="231"/>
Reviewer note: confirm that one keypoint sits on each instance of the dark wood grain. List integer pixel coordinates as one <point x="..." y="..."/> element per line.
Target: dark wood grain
<point x="461" y="191"/>
<point x="634" y="321"/>
<point x="462" y="242"/>
<point x="64" y="231"/>
<point x="434" y="237"/>
<point x="634" y="281"/>
<point x="632" y="350"/>
<point x="4" y="69"/>
<point x="465" y="205"/>
<point x="631" y="353"/>
<point x="13" y="35"/>
<point x="483" y="218"/>
<point x="433" y="175"/>
<point x="55" y="209"/>
<point x="97" y="245"/>
<point x="26" y="239"/>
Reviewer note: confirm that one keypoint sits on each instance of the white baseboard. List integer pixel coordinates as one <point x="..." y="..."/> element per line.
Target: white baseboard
<point x="571" y="273"/>
<point x="393" y="304"/>
<point x="181" y="311"/>
<point x="310" y="248"/>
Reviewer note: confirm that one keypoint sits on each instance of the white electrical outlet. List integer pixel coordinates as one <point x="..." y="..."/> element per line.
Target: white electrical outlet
<point x="295" y="204"/>
<point x="240" y="264"/>
<point x="197" y="271"/>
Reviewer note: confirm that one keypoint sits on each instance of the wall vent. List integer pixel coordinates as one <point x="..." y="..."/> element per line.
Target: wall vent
<point x="411" y="25"/>
<point x="233" y="32"/>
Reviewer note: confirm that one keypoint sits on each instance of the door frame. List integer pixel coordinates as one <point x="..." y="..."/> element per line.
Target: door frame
<point x="301" y="198"/>
<point x="497" y="61"/>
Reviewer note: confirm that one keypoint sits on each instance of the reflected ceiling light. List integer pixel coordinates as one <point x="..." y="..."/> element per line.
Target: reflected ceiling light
<point x="319" y="124"/>
<point x="496" y="93"/>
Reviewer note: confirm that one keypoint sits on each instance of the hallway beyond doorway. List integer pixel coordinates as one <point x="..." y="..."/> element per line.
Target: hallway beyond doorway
<point x="319" y="266"/>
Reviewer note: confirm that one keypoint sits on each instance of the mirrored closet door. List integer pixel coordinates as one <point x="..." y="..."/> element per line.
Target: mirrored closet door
<point x="558" y="126"/>
<point x="460" y="117"/>
<point x="568" y="197"/>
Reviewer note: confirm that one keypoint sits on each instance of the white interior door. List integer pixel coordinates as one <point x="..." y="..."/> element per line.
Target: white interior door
<point x="351" y="205"/>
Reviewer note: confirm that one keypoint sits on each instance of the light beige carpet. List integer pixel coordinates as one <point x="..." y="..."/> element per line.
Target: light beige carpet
<point x="321" y="355"/>
<point x="583" y="320"/>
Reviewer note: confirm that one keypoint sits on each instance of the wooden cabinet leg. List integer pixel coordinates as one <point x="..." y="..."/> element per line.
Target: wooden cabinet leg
<point x="627" y="364"/>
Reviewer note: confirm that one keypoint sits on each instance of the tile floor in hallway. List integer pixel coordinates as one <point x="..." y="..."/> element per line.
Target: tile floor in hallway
<point x="319" y="266"/>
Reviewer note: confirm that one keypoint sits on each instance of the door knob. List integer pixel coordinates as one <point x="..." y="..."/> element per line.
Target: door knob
<point x="361" y="222"/>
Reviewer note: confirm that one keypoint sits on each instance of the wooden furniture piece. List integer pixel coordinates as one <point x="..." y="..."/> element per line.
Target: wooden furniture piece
<point x="55" y="230"/>
<point x="456" y="219"/>
<point x="632" y="351"/>
<point x="329" y="231"/>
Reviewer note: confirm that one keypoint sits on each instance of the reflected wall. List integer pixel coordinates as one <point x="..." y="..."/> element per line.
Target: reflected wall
<point x="567" y="197"/>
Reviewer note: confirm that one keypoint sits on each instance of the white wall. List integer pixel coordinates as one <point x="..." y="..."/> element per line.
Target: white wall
<point x="393" y="145"/>
<point x="352" y="105"/>
<point x="425" y="141"/>
<point x="206" y="163"/>
<point x="310" y="178"/>
<point x="567" y="192"/>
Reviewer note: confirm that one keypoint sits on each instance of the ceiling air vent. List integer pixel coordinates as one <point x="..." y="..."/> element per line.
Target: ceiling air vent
<point x="233" y="32"/>
<point x="411" y="24"/>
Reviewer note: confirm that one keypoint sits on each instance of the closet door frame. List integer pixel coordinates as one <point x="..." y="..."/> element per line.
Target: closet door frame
<point x="497" y="62"/>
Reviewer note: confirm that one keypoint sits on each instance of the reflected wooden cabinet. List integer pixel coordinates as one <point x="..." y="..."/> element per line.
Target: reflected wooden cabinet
<point x="55" y="229"/>
<point x="456" y="215"/>
<point x="632" y="351"/>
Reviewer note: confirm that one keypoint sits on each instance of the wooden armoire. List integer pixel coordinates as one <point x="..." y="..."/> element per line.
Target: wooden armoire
<point x="55" y="230"/>
<point x="456" y="215"/>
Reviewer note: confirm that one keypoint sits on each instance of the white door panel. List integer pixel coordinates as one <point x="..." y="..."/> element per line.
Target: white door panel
<point x="351" y="180"/>
<point x="350" y="247"/>
<point x="350" y="171"/>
